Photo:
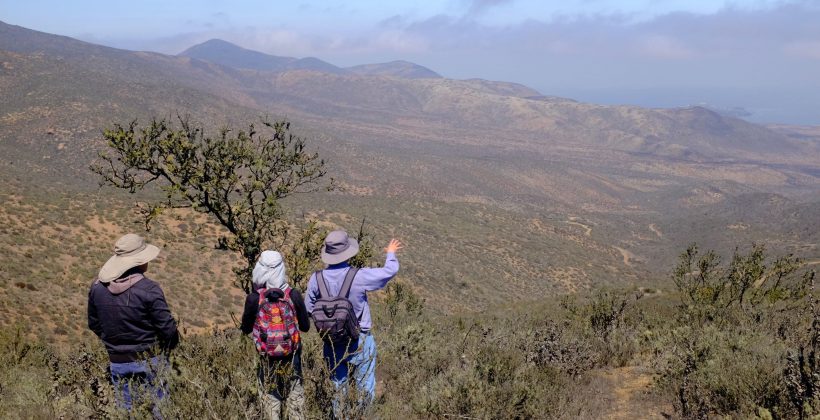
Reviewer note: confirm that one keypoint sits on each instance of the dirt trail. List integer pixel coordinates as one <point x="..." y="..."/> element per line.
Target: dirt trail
<point x="654" y="228"/>
<point x="629" y="398"/>
<point x="573" y="221"/>
<point x="628" y="256"/>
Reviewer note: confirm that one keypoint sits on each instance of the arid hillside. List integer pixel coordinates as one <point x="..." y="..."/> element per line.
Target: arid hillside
<point x="488" y="182"/>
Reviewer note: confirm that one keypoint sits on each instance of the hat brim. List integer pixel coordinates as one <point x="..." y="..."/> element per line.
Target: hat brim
<point x="350" y="252"/>
<point x="117" y="265"/>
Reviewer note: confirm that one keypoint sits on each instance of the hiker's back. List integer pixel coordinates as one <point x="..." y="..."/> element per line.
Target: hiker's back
<point x="276" y="331"/>
<point x="366" y="280"/>
<point x="333" y="313"/>
<point x="125" y="320"/>
<point x="128" y="312"/>
<point x="358" y="354"/>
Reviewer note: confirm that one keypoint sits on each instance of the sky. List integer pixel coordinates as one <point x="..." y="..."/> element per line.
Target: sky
<point x="758" y="58"/>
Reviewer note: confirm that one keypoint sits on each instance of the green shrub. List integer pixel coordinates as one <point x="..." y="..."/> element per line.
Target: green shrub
<point x="744" y="341"/>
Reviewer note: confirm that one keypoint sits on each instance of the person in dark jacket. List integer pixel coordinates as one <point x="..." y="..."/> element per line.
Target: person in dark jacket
<point x="279" y="380"/>
<point x="128" y="312"/>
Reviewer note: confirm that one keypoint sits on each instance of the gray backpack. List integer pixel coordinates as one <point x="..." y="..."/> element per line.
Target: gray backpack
<point x="333" y="315"/>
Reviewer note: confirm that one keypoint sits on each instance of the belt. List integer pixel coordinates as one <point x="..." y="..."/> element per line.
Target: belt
<point x="131" y="356"/>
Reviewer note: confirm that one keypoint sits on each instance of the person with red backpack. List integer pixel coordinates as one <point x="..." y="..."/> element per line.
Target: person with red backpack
<point x="337" y="302"/>
<point x="275" y="315"/>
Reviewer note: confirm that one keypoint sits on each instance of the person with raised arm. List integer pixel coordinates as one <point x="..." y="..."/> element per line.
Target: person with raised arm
<point x="337" y="301"/>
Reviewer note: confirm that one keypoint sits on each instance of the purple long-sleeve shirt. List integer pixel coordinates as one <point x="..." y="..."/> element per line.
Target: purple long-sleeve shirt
<point x="367" y="280"/>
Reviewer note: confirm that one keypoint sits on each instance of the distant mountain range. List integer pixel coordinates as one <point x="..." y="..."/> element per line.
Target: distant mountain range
<point x="60" y="76"/>
<point x="225" y="53"/>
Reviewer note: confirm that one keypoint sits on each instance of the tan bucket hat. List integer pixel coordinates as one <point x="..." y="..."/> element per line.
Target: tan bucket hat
<point x="129" y="251"/>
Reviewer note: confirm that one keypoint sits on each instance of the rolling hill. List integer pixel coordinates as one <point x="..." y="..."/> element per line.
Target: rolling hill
<point x="488" y="182"/>
<point x="399" y="68"/>
<point x="225" y="53"/>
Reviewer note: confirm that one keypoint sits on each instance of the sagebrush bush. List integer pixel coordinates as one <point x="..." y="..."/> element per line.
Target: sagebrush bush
<point x="732" y="347"/>
<point x="428" y="366"/>
<point x="739" y="340"/>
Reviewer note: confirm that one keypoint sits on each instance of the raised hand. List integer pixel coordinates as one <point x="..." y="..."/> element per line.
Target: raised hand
<point x="394" y="246"/>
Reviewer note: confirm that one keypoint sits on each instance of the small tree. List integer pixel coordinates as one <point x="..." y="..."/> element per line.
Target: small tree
<point x="746" y="286"/>
<point x="303" y="254"/>
<point x="747" y="336"/>
<point x="239" y="177"/>
<point x="365" y="255"/>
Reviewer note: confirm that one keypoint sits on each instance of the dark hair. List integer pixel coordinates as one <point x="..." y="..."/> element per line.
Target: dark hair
<point x="134" y="270"/>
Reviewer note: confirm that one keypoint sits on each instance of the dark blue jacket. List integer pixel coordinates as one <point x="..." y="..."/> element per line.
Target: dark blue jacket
<point x="133" y="321"/>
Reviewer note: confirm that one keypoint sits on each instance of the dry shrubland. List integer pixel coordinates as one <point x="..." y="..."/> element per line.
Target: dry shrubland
<point x="738" y="339"/>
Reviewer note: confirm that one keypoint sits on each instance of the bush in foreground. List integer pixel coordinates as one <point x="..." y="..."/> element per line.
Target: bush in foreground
<point x="739" y="340"/>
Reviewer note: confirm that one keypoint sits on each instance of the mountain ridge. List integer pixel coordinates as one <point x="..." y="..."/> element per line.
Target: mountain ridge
<point x="498" y="143"/>
<point x="231" y="55"/>
<point x="500" y="120"/>
<point x="396" y="68"/>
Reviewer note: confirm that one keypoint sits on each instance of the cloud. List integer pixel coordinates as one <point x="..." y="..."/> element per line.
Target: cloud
<point x="395" y="21"/>
<point x="804" y="49"/>
<point x="278" y="42"/>
<point x="766" y="51"/>
<point x="665" y="47"/>
<point x="778" y="44"/>
<point x="399" y="42"/>
<point x="731" y="32"/>
<point x="477" y="7"/>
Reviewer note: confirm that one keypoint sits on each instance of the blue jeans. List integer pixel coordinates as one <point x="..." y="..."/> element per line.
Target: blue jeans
<point x="358" y="360"/>
<point x="142" y="375"/>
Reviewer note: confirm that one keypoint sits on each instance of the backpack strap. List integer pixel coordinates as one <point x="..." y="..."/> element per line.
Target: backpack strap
<point x="351" y="273"/>
<point x="320" y="280"/>
<point x="287" y="300"/>
<point x="344" y="291"/>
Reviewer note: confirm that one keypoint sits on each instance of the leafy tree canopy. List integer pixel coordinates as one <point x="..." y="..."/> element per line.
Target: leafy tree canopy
<point x="238" y="177"/>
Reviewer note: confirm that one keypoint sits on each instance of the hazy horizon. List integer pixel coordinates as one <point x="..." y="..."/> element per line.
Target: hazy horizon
<point x="759" y="59"/>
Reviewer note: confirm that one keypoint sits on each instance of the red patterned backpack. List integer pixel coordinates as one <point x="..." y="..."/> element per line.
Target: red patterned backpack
<point x="275" y="331"/>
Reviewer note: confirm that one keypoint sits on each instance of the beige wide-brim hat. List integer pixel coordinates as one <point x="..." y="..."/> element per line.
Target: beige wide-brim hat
<point x="129" y="251"/>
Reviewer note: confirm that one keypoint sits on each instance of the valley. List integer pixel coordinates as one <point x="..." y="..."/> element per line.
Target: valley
<point x="544" y="195"/>
<point x="544" y="273"/>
